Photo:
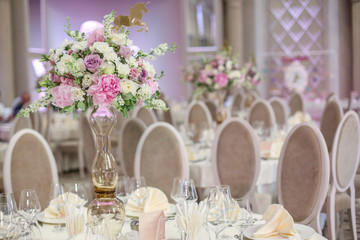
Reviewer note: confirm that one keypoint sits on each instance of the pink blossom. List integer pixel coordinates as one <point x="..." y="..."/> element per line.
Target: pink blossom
<point x="125" y="52"/>
<point x="203" y="76"/>
<point x="219" y="60"/>
<point x="54" y="77"/>
<point x="140" y="62"/>
<point x="62" y="95"/>
<point x="67" y="81"/>
<point x="105" y="90"/>
<point x="221" y="79"/>
<point x="154" y="86"/>
<point x="95" y="36"/>
<point x="92" y="62"/>
<point x="143" y="75"/>
<point x="133" y="74"/>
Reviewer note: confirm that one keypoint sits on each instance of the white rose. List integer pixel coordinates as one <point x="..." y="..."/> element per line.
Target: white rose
<point x="129" y="86"/>
<point x="228" y="65"/>
<point x="122" y="69"/>
<point x="149" y="68"/>
<point x="110" y="56"/>
<point x="87" y="80"/>
<point x="77" y="94"/>
<point x="102" y="47"/>
<point x="209" y="81"/>
<point x="208" y="69"/>
<point x="107" y="68"/>
<point x="234" y="74"/>
<point x="81" y="65"/>
<point x="79" y="46"/>
<point x="221" y="68"/>
<point x="119" y="38"/>
<point x="132" y="61"/>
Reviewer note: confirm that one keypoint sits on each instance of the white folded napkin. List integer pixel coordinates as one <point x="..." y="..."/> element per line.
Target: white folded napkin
<point x="279" y="224"/>
<point x="276" y="147"/>
<point x="71" y="199"/>
<point x="75" y="220"/>
<point x="299" y="117"/>
<point x="155" y="201"/>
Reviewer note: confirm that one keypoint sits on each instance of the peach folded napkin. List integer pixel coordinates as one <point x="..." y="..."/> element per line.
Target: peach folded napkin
<point x="279" y="224"/>
<point x="155" y="201"/>
<point x="152" y="226"/>
<point x="75" y="220"/>
<point x="71" y="199"/>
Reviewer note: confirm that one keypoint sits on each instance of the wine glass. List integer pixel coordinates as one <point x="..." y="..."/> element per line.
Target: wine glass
<point x="57" y="199"/>
<point x="183" y="190"/>
<point x="139" y="191"/>
<point x="242" y="216"/>
<point x="7" y="215"/>
<point x="79" y="197"/>
<point x="123" y="188"/>
<point x="29" y="207"/>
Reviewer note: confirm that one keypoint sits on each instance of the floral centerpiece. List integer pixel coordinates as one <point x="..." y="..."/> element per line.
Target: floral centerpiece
<point x="251" y="76"/>
<point x="100" y="69"/>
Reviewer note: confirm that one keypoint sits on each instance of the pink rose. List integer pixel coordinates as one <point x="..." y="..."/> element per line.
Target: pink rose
<point x="221" y="79"/>
<point x="154" y="86"/>
<point x="203" y="76"/>
<point x="143" y="75"/>
<point x="105" y="90"/>
<point x="95" y="36"/>
<point x="67" y="81"/>
<point x="62" y="95"/>
<point x="92" y="62"/>
<point x="133" y="74"/>
<point x="125" y="52"/>
<point x="140" y="62"/>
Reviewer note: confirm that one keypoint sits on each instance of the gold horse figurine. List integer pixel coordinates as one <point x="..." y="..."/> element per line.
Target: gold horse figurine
<point x="134" y="19"/>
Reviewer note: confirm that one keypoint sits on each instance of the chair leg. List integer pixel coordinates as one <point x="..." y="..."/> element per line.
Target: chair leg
<point x="352" y="213"/>
<point x="330" y="214"/>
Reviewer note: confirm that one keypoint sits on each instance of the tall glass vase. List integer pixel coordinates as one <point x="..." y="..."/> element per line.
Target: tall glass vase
<point x="105" y="212"/>
<point x="221" y="111"/>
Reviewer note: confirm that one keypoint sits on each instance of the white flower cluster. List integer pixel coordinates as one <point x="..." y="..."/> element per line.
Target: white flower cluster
<point x="144" y="93"/>
<point x="79" y="46"/>
<point x="121" y="39"/>
<point x="87" y="80"/>
<point x="161" y="49"/>
<point x="68" y="64"/>
<point x="107" y="22"/>
<point x="122" y="69"/>
<point x="104" y="48"/>
<point x="149" y="68"/>
<point x="118" y="100"/>
<point x="77" y="94"/>
<point x="43" y="102"/>
<point x="128" y="86"/>
<point x="157" y="104"/>
<point x="132" y="62"/>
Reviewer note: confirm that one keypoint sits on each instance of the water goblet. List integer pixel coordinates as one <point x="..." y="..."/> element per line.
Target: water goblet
<point x="242" y="216"/>
<point x="79" y="196"/>
<point x="183" y="190"/>
<point x="58" y="199"/>
<point x="123" y="189"/>
<point x="139" y="191"/>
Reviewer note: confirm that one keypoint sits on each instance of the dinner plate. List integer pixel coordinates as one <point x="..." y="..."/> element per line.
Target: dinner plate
<point x="305" y="232"/>
<point x="41" y="218"/>
<point x="198" y="160"/>
<point x="169" y="212"/>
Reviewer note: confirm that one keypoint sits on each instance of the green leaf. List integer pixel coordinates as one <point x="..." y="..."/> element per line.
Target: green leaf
<point x="82" y="106"/>
<point x="64" y="109"/>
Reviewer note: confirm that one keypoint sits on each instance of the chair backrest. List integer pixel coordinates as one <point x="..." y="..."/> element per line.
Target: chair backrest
<point x="29" y="164"/>
<point x="236" y="105"/>
<point x="345" y="152"/>
<point x="330" y="120"/>
<point x="197" y="113"/>
<point x="236" y="157"/>
<point x="296" y="104"/>
<point x="36" y="122"/>
<point x="129" y="138"/>
<point x="303" y="173"/>
<point x="331" y="96"/>
<point x="21" y="123"/>
<point x="262" y="111"/>
<point x="212" y="109"/>
<point x="146" y="115"/>
<point x="279" y="107"/>
<point x="161" y="156"/>
<point x="249" y="100"/>
<point x="87" y="141"/>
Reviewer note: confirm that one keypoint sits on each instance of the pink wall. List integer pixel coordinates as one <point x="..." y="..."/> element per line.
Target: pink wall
<point x="165" y="25"/>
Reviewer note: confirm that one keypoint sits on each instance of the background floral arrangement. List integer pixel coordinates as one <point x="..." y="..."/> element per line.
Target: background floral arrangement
<point x="100" y="70"/>
<point x="251" y="77"/>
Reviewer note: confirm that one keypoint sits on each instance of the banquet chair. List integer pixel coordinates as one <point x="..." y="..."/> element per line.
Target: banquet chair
<point x="344" y="162"/>
<point x="303" y="174"/>
<point x="87" y="147"/>
<point x="146" y="115"/>
<point x="330" y="120"/>
<point x="161" y="156"/>
<point x="249" y="100"/>
<point x="330" y="97"/>
<point x="262" y="111"/>
<point x="296" y="103"/>
<point x="236" y="160"/>
<point x="29" y="164"/>
<point x="279" y="107"/>
<point x="165" y="116"/>
<point x="212" y="109"/>
<point x="237" y="104"/>
<point x="36" y="121"/>
<point x="20" y="123"/>
<point x="130" y="135"/>
<point x="197" y="113"/>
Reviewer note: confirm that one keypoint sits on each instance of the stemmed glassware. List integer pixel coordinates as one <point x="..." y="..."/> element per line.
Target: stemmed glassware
<point x="29" y="207"/>
<point x="7" y="216"/>
<point x="183" y="190"/>
<point x="123" y="189"/>
<point x="139" y="191"/>
<point x="79" y="197"/>
<point x="58" y="199"/>
<point x="242" y="216"/>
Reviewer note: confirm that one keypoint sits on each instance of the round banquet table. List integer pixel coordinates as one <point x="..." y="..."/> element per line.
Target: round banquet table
<point x="171" y="232"/>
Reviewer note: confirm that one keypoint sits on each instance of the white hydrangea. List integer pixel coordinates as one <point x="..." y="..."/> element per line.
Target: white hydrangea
<point x="149" y="68"/>
<point x="161" y="49"/>
<point x="107" y="68"/>
<point x="63" y="63"/>
<point x="65" y="43"/>
<point x="55" y="54"/>
<point x="118" y="100"/>
<point x="102" y="47"/>
<point x="87" y="80"/>
<point x="79" y="46"/>
<point x="129" y="86"/>
<point x="77" y="94"/>
<point x="119" y="38"/>
<point x="144" y="92"/>
<point x="228" y="65"/>
<point x="110" y="56"/>
<point x="122" y="69"/>
<point x="158" y="104"/>
<point x="132" y="61"/>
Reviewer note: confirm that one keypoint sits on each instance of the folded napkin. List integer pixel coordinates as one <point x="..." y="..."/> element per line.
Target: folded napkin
<point x="279" y="224"/>
<point x="75" y="220"/>
<point x="155" y="201"/>
<point x="276" y="147"/>
<point x="152" y="226"/>
<point x="71" y="199"/>
<point x="298" y="117"/>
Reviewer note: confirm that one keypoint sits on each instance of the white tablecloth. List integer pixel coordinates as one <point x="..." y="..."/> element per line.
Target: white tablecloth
<point x="5" y="131"/>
